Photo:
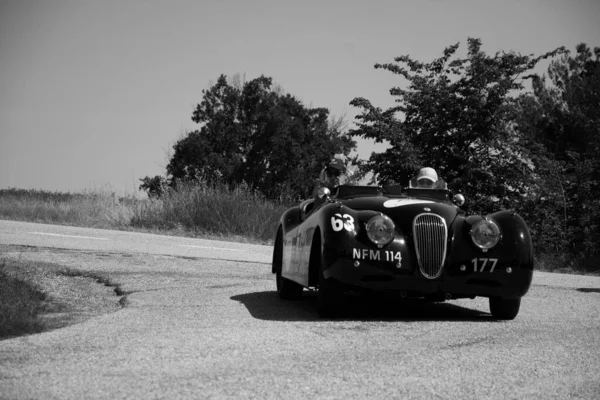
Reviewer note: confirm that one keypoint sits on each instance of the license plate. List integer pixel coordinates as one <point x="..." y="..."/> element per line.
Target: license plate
<point x="376" y="255"/>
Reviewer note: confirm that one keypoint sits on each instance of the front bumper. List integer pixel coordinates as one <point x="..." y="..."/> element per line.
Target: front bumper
<point x="452" y="283"/>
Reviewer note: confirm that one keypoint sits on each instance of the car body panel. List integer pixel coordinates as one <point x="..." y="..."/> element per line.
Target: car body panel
<point x="337" y="227"/>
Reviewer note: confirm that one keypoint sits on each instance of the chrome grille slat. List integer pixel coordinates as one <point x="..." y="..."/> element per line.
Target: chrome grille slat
<point x="430" y="235"/>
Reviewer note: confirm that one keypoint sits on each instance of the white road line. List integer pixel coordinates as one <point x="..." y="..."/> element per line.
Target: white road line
<point x="69" y="236"/>
<point x="208" y="247"/>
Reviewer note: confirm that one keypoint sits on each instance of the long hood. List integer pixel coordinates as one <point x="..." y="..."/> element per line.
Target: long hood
<point x="404" y="210"/>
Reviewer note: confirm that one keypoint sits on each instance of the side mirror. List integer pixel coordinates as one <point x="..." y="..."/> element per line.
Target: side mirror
<point x="323" y="193"/>
<point x="459" y="200"/>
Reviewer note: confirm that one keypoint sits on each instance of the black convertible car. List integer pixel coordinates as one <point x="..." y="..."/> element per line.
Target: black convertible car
<point x="416" y="242"/>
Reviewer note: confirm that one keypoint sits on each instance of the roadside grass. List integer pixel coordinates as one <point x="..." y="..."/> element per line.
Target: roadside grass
<point x="95" y="209"/>
<point x="40" y="296"/>
<point x="21" y="303"/>
<point x="214" y="211"/>
<point x="193" y="210"/>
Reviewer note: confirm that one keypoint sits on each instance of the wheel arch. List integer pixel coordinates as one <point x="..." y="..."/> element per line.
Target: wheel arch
<point x="277" y="250"/>
<point x="516" y="236"/>
<point x="314" y="263"/>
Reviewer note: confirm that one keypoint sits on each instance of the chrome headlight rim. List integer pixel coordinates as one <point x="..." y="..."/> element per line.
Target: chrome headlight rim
<point x="380" y="229"/>
<point x="483" y="238"/>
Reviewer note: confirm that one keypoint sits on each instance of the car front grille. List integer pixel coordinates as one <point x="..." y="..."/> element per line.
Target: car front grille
<point x="431" y="237"/>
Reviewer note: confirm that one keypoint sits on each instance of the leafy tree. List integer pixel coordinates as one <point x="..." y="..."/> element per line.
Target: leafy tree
<point x="455" y="115"/>
<point x="563" y="115"/>
<point x="251" y="132"/>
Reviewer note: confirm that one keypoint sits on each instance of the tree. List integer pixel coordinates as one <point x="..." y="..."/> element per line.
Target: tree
<point x="255" y="134"/>
<point x="456" y="115"/>
<point x="155" y="186"/>
<point x="563" y="116"/>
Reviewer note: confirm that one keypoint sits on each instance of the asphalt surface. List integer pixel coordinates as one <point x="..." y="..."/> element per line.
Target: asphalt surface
<point x="202" y="320"/>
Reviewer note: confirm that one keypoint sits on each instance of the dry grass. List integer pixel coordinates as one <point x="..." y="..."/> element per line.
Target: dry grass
<point x="193" y="210"/>
<point x="213" y="211"/>
<point x="39" y="296"/>
<point x="21" y="303"/>
<point x="98" y="209"/>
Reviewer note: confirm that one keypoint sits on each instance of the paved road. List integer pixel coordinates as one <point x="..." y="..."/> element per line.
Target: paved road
<point x="202" y="321"/>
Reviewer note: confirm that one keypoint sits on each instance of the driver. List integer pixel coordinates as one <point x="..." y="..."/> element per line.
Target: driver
<point x="427" y="178"/>
<point x="334" y="172"/>
<point x="333" y="175"/>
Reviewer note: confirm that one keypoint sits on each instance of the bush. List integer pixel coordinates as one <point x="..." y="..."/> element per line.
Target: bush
<point x="216" y="210"/>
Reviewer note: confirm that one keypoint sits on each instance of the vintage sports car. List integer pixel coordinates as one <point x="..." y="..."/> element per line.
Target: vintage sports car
<point x="416" y="242"/>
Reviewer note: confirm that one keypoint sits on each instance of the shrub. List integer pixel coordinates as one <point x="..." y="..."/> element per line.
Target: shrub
<point x="212" y="209"/>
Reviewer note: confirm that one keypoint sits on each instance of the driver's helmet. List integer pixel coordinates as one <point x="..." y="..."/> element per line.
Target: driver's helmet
<point x="333" y="173"/>
<point x="425" y="179"/>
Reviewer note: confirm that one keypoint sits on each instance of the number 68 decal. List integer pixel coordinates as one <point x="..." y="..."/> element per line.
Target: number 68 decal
<point x="339" y="222"/>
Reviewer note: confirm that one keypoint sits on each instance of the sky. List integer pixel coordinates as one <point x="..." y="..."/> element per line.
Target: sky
<point x="94" y="93"/>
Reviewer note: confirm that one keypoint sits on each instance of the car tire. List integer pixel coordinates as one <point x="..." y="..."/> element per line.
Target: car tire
<point x="330" y="296"/>
<point x="286" y="289"/>
<point x="504" y="309"/>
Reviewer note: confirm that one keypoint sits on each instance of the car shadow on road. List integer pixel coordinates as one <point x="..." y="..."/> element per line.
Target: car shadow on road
<point x="268" y="306"/>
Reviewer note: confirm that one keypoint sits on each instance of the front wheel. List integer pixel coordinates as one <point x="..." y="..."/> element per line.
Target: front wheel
<point x="504" y="309"/>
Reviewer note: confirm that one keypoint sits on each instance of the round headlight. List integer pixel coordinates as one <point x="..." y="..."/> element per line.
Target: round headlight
<point x="380" y="229"/>
<point x="485" y="234"/>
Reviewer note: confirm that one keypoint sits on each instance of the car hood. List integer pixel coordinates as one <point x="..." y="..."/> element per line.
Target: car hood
<point x="403" y="210"/>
